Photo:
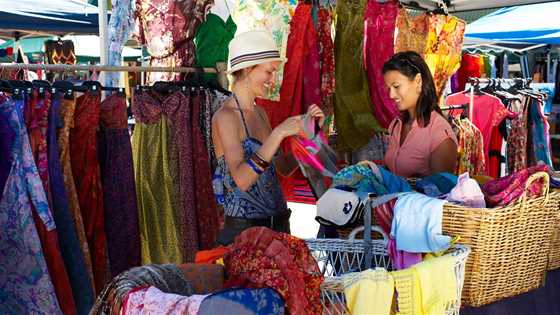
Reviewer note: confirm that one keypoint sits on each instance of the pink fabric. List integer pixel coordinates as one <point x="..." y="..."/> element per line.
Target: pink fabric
<point x="467" y="192"/>
<point x="412" y="158"/>
<point x="488" y="112"/>
<point x="153" y="301"/>
<point x="380" y="21"/>
<point x="503" y="191"/>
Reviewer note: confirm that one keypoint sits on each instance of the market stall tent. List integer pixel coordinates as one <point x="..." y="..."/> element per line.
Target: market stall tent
<point x="47" y="17"/>
<point x="530" y="24"/>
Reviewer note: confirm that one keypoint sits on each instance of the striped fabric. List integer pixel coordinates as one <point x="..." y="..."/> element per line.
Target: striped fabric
<point x="255" y="56"/>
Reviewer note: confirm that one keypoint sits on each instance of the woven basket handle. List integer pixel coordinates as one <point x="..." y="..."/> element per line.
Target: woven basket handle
<point x="360" y="229"/>
<point x="532" y="179"/>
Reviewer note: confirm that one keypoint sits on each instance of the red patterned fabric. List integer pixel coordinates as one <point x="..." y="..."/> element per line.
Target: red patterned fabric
<point x="85" y="167"/>
<point x="262" y="258"/>
<point x="503" y="191"/>
<point x="206" y="208"/>
<point x="326" y="59"/>
<point x="494" y="155"/>
<point x="470" y="67"/>
<point x="36" y="119"/>
<point x="292" y="91"/>
<point x="378" y="48"/>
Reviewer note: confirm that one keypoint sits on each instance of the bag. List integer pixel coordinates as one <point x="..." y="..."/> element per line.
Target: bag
<point x="339" y="208"/>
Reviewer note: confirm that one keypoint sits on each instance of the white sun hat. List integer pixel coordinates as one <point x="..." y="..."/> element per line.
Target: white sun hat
<point x="252" y="48"/>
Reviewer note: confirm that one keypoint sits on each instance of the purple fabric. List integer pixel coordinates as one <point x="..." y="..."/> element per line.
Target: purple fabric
<point x="7" y="136"/>
<point x="68" y="239"/>
<point x="455" y="88"/>
<point x="119" y="189"/>
<point x="401" y="259"/>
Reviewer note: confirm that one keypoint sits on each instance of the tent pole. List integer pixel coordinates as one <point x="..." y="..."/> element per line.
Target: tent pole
<point x="103" y="36"/>
<point x="101" y="68"/>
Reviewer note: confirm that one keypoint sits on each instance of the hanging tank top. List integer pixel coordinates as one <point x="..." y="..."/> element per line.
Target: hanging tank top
<point x="263" y="199"/>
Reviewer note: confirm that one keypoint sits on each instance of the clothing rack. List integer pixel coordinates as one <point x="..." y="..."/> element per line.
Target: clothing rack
<point x="220" y="69"/>
<point x="477" y="81"/>
<point x="454" y="107"/>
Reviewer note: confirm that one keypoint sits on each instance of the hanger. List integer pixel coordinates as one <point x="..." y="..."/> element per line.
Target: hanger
<point x="163" y="87"/>
<point x="92" y="86"/>
<point x="42" y="86"/>
<point x="65" y="86"/>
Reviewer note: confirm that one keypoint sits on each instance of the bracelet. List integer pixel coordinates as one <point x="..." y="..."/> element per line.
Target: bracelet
<point x="260" y="161"/>
<point x="254" y="166"/>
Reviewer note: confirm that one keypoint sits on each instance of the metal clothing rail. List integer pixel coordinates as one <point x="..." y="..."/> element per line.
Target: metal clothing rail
<point x="98" y="68"/>
<point x="220" y="69"/>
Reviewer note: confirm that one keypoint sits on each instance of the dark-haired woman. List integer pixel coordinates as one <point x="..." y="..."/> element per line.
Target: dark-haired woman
<point x="421" y="140"/>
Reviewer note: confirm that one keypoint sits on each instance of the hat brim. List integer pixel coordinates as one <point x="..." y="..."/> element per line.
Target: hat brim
<point x="251" y="63"/>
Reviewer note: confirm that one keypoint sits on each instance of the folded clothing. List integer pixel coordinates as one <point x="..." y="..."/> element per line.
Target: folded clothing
<point x="243" y="302"/>
<point x="503" y="191"/>
<point x="261" y="257"/>
<point x="167" y="278"/>
<point x="444" y="182"/>
<point x="467" y="193"/>
<point x="417" y="224"/>
<point x="151" y="300"/>
<point x="369" y="292"/>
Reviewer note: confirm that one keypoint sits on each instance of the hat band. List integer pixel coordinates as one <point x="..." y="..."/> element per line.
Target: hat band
<point x="255" y="56"/>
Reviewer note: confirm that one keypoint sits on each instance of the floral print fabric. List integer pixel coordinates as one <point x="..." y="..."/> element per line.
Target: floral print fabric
<point x="24" y="279"/>
<point x="36" y="118"/>
<point x="443" y="47"/>
<point x="261" y="258"/>
<point x="470" y="155"/>
<point x="412" y="32"/>
<point x="273" y="16"/>
<point x="152" y="301"/>
<point x="517" y="136"/>
<point x="168" y="28"/>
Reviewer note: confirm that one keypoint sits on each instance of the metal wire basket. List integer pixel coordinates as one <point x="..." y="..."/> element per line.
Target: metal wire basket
<point x="337" y="257"/>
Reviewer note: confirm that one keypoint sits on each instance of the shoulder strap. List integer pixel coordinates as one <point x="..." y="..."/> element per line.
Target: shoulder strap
<point x="242" y="116"/>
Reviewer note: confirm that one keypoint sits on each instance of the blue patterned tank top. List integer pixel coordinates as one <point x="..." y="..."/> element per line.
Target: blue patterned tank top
<point x="264" y="198"/>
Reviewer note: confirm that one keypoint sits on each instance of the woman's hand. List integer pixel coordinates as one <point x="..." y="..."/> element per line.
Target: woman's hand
<point x="315" y="112"/>
<point x="290" y="127"/>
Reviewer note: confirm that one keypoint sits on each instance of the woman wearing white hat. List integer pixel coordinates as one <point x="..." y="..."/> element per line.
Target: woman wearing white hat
<point x="245" y="180"/>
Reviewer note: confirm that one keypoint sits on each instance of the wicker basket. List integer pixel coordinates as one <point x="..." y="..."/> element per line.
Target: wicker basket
<point x="337" y="257"/>
<point x="510" y="245"/>
<point x="554" y="254"/>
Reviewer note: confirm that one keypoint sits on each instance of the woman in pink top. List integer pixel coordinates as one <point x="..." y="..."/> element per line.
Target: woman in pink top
<point x="421" y="140"/>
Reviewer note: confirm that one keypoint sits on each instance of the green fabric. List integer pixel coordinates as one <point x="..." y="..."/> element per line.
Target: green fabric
<point x="355" y="123"/>
<point x="156" y="180"/>
<point x="212" y="41"/>
<point x="487" y="66"/>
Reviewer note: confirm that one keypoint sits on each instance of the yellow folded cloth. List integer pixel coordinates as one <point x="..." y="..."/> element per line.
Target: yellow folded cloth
<point x="426" y="288"/>
<point x="369" y="292"/>
<point x="409" y="295"/>
<point x="438" y="283"/>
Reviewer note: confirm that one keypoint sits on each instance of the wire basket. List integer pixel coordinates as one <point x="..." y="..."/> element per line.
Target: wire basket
<point x="337" y="257"/>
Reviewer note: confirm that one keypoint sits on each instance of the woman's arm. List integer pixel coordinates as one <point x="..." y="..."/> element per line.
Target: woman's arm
<point x="226" y="132"/>
<point x="444" y="157"/>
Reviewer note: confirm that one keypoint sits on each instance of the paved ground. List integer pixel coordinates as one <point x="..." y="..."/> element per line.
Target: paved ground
<point x="302" y="221"/>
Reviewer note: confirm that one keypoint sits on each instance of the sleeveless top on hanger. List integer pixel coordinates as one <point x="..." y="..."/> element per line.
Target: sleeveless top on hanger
<point x="263" y="199"/>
